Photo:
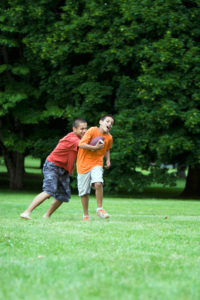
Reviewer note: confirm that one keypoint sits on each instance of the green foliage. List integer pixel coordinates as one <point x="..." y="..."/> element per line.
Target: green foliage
<point x="138" y="60"/>
<point x="158" y="104"/>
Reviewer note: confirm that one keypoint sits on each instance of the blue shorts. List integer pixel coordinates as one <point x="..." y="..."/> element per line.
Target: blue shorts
<point x="56" y="182"/>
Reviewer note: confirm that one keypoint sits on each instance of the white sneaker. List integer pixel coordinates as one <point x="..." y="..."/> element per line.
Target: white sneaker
<point x="102" y="213"/>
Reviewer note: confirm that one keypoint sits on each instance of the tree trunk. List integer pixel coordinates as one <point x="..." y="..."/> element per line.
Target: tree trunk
<point x="181" y="171"/>
<point x="192" y="187"/>
<point x="14" y="160"/>
<point x="15" y="165"/>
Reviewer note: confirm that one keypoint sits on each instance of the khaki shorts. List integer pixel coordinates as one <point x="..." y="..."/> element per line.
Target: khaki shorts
<point x="86" y="180"/>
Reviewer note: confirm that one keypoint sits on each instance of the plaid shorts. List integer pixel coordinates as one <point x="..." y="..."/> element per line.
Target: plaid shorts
<point x="56" y="182"/>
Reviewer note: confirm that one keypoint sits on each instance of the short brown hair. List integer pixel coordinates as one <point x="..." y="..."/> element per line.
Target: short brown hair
<point x="105" y="116"/>
<point x="77" y="122"/>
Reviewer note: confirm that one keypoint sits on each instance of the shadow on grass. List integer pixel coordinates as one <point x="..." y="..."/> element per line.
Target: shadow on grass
<point x="155" y="191"/>
<point x="33" y="183"/>
<point x="151" y="193"/>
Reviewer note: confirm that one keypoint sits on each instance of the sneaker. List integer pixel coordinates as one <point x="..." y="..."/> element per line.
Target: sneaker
<point x="102" y="213"/>
<point x="86" y="218"/>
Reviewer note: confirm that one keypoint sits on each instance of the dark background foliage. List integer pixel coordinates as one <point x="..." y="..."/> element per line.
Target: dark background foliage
<point x="137" y="60"/>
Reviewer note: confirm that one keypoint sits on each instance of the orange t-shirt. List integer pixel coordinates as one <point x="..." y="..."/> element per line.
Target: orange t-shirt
<point x="88" y="159"/>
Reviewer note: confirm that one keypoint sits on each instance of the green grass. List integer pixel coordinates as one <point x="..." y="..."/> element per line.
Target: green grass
<point x="149" y="249"/>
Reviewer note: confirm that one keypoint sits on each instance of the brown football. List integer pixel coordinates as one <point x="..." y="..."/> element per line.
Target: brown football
<point x="95" y="140"/>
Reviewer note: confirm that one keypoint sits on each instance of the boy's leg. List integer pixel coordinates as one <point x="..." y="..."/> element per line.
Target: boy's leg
<point x="97" y="181"/>
<point x="61" y="188"/>
<point x="85" y="203"/>
<point x="99" y="193"/>
<point x="99" y="196"/>
<point x="55" y="204"/>
<point x="36" y="202"/>
<point x="84" y="191"/>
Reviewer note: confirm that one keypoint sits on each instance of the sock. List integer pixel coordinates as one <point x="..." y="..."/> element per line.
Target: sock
<point x="99" y="208"/>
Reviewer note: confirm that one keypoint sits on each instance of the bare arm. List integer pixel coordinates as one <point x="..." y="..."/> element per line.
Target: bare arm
<point x="98" y="146"/>
<point x="107" y="157"/>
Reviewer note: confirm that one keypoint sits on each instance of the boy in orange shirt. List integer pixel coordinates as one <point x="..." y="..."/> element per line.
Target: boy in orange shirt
<point x="57" y="169"/>
<point x="90" y="164"/>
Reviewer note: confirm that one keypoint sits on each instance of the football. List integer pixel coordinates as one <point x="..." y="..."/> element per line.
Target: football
<point x="95" y="140"/>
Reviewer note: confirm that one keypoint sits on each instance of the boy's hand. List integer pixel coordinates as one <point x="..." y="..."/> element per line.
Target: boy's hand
<point x="99" y="146"/>
<point x="107" y="165"/>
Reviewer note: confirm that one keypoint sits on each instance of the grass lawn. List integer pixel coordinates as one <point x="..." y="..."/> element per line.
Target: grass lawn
<point x="149" y="249"/>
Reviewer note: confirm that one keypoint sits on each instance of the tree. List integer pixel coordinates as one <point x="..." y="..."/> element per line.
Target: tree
<point x="138" y="60"/>
<point x="166" y="110"/>
<point x="25" y="107"/>
<point x="14" y="89"/>
<point x="43" y="84"/>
